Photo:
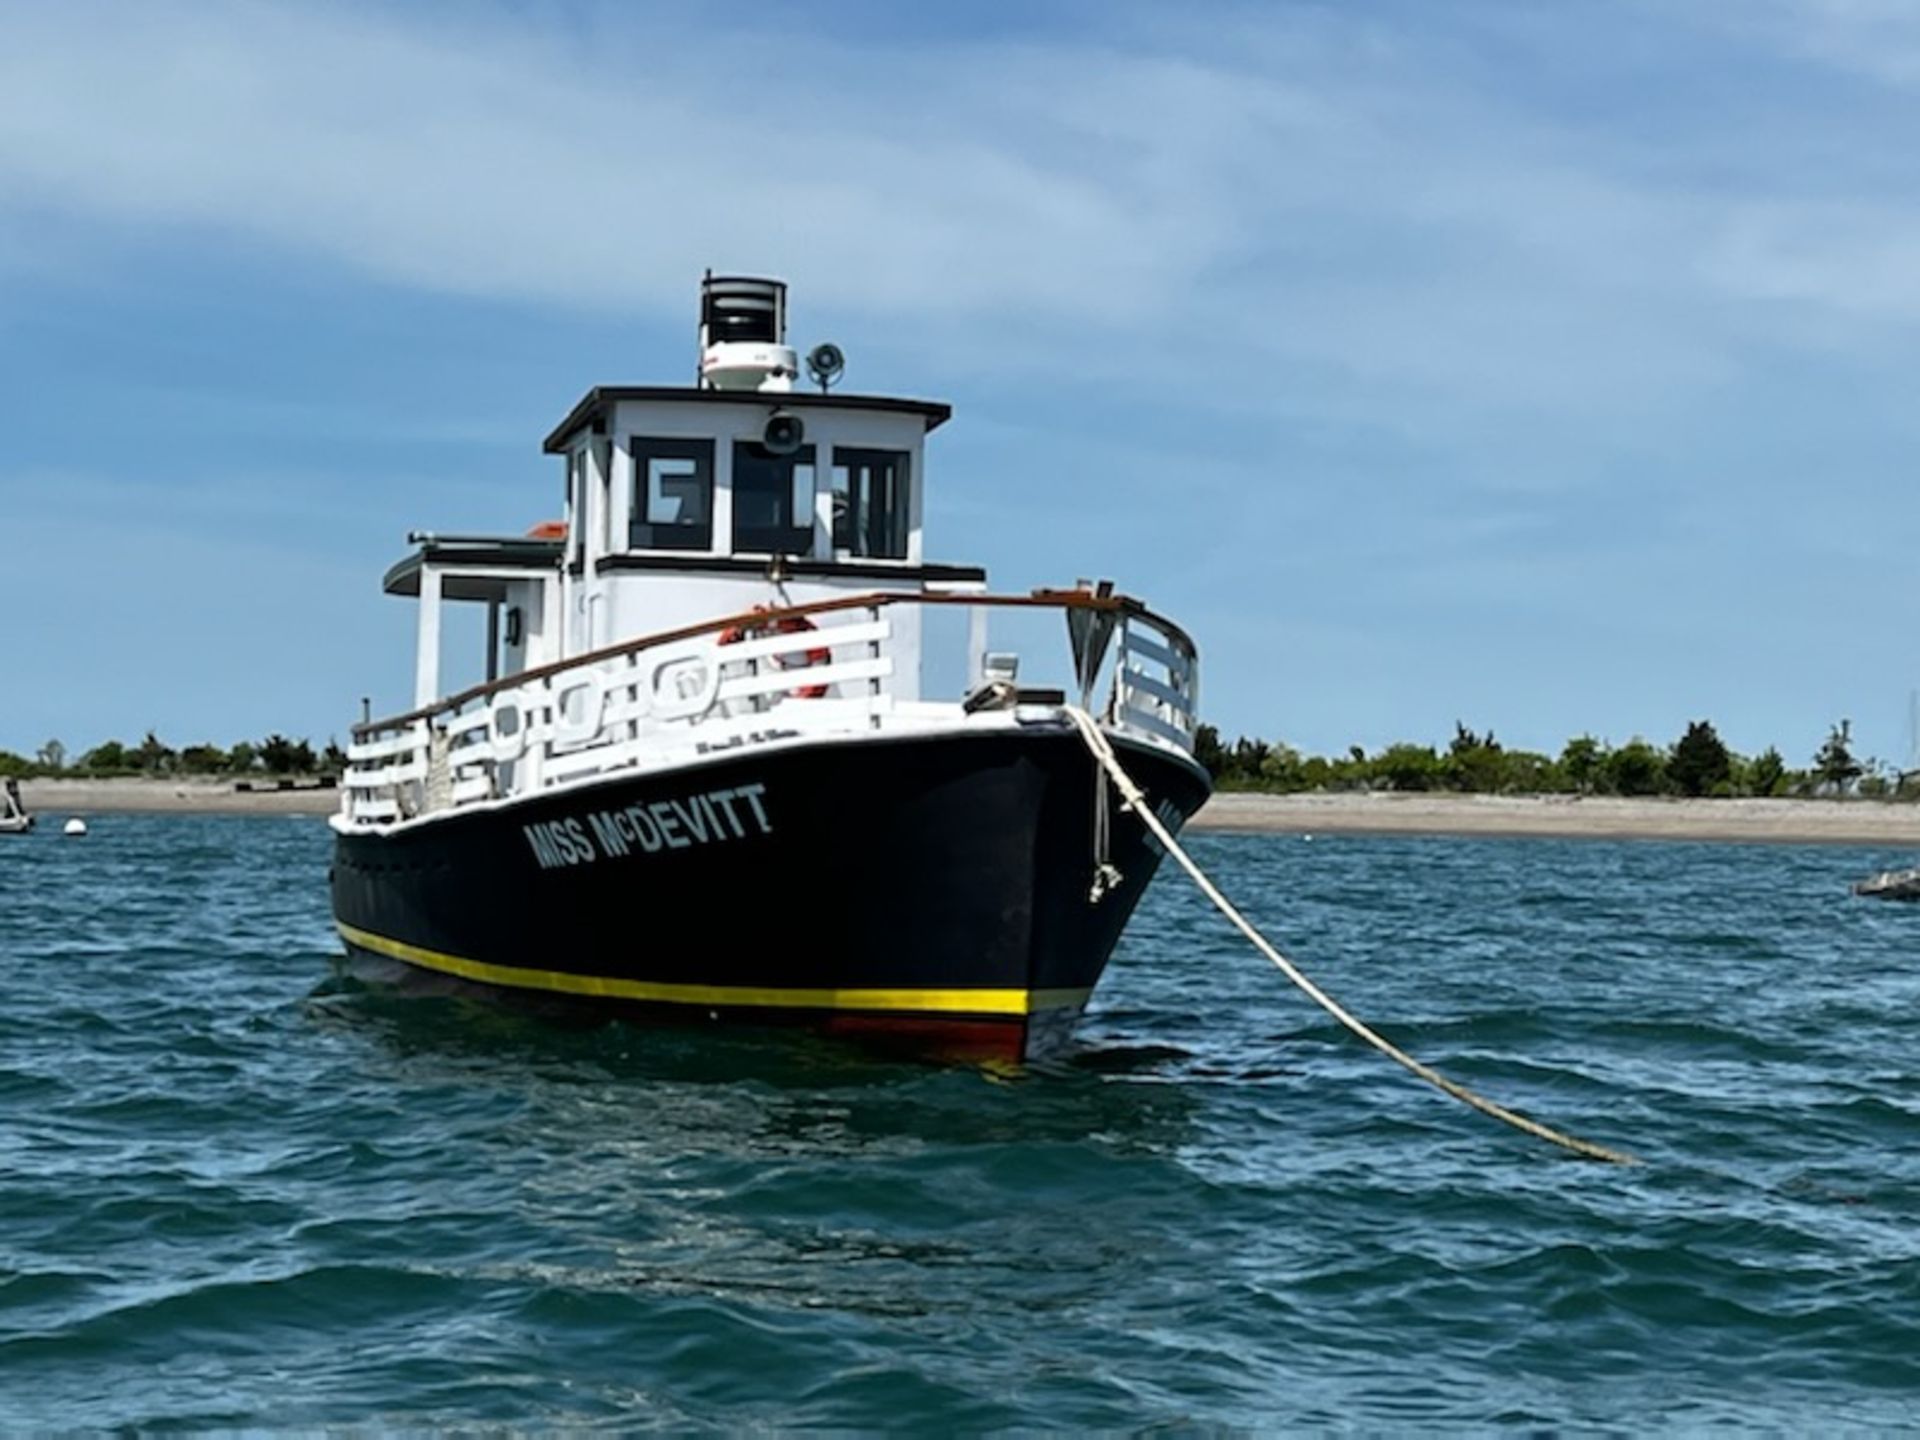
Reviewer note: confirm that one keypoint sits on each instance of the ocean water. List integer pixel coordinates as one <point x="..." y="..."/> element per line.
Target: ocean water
<point x="236" y="1192"/>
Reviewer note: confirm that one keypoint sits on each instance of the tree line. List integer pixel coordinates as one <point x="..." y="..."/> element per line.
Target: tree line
<point x="1697" y="763"/>
<point x="276" y="755"/>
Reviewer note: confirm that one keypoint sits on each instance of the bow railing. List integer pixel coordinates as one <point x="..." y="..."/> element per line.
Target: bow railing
<point x="769" y="673"/>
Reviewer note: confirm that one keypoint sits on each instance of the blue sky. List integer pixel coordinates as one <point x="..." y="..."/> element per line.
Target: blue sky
<point x="1546" y="367"/>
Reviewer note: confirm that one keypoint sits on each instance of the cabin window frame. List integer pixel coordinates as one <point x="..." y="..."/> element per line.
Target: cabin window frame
<point x="859" y="533"/>
<point x="645" y="533"/>
<point x="796" y="536"/>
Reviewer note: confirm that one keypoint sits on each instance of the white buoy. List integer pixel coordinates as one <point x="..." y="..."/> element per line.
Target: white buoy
<point x="75" y="826"/>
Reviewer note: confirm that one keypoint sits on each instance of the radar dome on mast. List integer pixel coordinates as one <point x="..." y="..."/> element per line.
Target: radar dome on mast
<point x="743" y="335"/>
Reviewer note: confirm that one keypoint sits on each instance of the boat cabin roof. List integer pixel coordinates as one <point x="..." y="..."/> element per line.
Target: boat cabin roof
<point x="596" y="403"/>
<point x="849" y="512"/>
<point x="502" y="555"/>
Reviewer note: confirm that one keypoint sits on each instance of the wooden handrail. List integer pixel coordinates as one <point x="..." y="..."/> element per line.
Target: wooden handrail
<point x="1039" y="599"/>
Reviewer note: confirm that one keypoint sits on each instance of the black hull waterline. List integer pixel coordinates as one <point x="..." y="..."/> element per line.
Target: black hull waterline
<point x="932" y="892"/>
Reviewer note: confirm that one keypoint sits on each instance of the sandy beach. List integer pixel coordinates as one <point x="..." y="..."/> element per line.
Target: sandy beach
<point x="53" y="801"/>
<point x="1842" y="822"/>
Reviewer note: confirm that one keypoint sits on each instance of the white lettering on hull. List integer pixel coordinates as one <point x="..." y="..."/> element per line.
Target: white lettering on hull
<point x="674" y="824"/>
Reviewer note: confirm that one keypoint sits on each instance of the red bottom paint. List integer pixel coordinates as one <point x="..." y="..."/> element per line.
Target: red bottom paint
<point x="935" y="1037"/>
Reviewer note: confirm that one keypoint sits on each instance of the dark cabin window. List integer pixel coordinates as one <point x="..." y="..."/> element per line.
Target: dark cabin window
<point x="772" y="501"/>
<point x="672" y="495"/>
<point x="870" y="503"/>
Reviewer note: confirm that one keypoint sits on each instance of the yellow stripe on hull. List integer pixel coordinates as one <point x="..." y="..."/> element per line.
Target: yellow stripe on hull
<point x="948" y="1002"/>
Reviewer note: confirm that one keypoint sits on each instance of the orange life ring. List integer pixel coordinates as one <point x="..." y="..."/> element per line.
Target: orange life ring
<point x="786" y="625"/>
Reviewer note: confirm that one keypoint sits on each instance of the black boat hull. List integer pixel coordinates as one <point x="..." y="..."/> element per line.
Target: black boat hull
<point x="929" y="892"/>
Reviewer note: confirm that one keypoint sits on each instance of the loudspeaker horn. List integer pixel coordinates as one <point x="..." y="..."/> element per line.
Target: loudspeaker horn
<point x="784" y="434"/>
<point x="824" y="363"/>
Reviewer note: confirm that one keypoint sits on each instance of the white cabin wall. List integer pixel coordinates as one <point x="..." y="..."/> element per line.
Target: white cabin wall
<point x="627" y="604"/>
<point x="643" y="604"/>
<point x="426" y="649"/>
<point x="570" y="624"/>
<point x="513" y="655"/>
<point x="596" y="526"/>
<point x="916" y="506"/>
<point x="543" y="630"/>
<point x="535" y="598"/>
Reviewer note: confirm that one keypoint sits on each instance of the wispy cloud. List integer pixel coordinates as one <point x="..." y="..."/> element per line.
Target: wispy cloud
<point x="1816" y="215"/>
<point x="1486" y="300"/>
<point x="1861" y="259"/>
<point x="498" y="160"/>
<point x="1879" y="39"/>
<point x="1295" y="195"/>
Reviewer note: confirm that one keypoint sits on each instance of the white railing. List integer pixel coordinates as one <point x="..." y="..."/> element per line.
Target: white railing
<point x="1156" y="680"/>
<point x="662" y="699"/>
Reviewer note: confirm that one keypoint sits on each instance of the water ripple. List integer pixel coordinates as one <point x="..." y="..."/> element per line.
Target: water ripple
<point x="242" y="1193"/>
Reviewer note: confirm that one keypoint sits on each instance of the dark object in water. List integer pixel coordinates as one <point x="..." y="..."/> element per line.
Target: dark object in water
<point x="1890" y="885"/>
<point x="14" y="819"/>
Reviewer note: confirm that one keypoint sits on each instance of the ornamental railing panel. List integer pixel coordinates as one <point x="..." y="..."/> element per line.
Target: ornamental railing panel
<point x="817" y="669"/>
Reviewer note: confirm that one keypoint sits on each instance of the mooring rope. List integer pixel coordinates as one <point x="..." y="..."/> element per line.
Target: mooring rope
<point x="1137" y="802"/>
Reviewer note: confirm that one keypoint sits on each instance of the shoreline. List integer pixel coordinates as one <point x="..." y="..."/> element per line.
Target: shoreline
<point x="1830" y="822"/>
<point x="53" y="801"/>
<point x="1596" y="817"/>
